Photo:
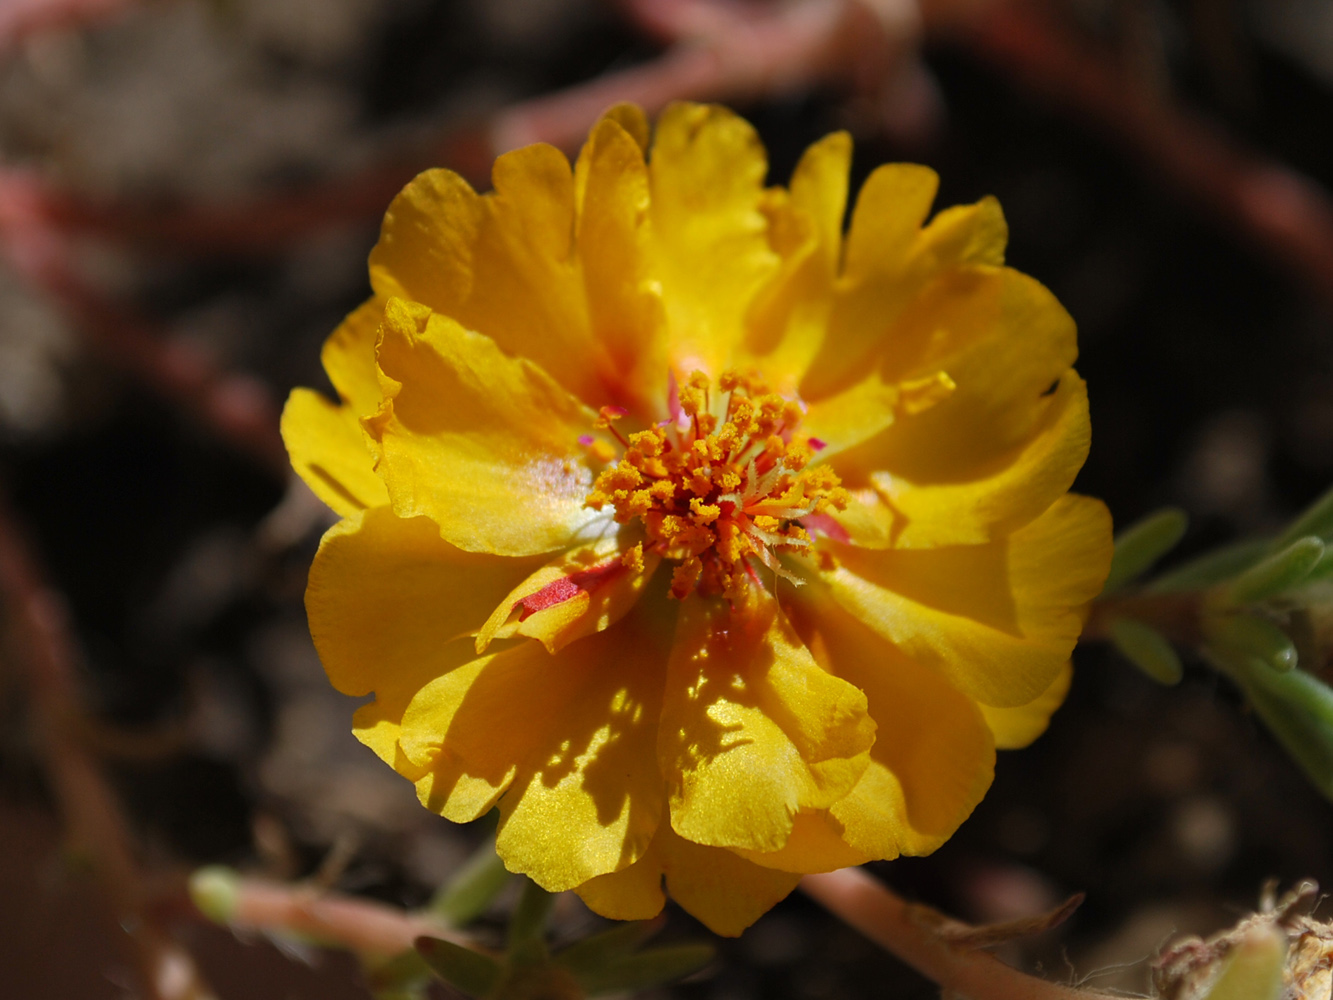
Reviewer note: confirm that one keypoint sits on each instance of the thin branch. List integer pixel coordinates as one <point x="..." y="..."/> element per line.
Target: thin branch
<point x="359" y="925"/>
<point x="91" y="814"/>
<point x="1288" y="214"/>
<point x="239" y="408"/>
<point x="872" y="908"/>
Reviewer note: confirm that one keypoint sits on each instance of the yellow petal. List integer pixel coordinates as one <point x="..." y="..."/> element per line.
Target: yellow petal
<point x="998" y="620"/>
<point x="934" y="756"/>
<point x="747" y="708"/>
<point x="786" y="322"/>
<point x="327" y="448"/>
<point x="564" y="743"/>
<point x="718" y="888"/>
<point x="483" y="444"/>
<point x="501" y="263"/>
<point x="970" y="504"/>
<point x="626" y="313"/>
<point x="348" y="357"/>
<point x="711" y="253"/>
<point x="1015" y="728"/>
<point x="325" y="441"/>
<point x="587" y="589"/>
<point x="817" y="844"/>
<point x="1006" y="345"/>
<point x="393" y="606"/>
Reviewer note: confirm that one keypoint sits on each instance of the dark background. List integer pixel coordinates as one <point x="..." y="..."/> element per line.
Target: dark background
<point x="1209" y="363"/>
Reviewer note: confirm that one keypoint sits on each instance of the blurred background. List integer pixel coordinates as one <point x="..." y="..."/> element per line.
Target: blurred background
<point x="188" y="192"/>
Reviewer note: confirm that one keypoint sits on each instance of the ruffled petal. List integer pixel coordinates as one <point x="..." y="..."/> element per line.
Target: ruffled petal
<point x="748" y="708"/>
<point x="564" y="743"/>
<point x="817" y="844"/>
<point x="786" y="323"/>
<point x="502" y="264"/>
<point x="1015" y="728"/>
<point x="997" y="620"/>
<point x="711" y="251"/>
<point x="393" y="606"/>
<point x="327" y="448"/>
<point x="483" y="444"/>
<point x="722" y="890"/>
<point x="970" y="505"/>
<point x="1005" y="345"/>
<point x="587" y="589"/>
<point x="626" y="312"/>
<point x="933" y="757"/>
<point x="325" y="442"/>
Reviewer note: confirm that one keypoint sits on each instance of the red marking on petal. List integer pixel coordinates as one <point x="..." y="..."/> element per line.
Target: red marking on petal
<point x="825" y="525"/>
<point x="818" y="444"/>
<point x="586" y="439"/>
<point x="565" y="588"/>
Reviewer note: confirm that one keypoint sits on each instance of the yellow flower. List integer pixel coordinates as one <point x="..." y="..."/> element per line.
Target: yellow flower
<point x="712" y="546"/>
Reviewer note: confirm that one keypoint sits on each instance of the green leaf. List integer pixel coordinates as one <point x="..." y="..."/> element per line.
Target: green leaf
<point x="646" y="969"/>
<point x="1317" y="520"/>
<point x="608" y="946"/>
<point x="1254" y="968"/>
<point x="462" y="968"/>
<point x="1211" y="568"/>
<point x="527" y="923"/>
<point x="1143" y="543"/>
<point x="1297" y="708"/>
<point x="1147" y="649"/>
<point x="1250" y="636"/>
<point x="1277" y="574"/>
<point x="472" y="888"/>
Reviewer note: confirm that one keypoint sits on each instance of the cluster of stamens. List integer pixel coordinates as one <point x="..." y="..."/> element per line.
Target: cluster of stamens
<point x="716" y="492"/>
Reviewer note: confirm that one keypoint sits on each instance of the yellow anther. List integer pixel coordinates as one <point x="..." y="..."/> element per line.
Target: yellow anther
<point x="640" y="502"/>
<point x="704" y="513"/>
<point x="685" y="576"/>
<point x="632" y="559"/>
<point x="649" y="443"/>
<point x="602" y="451"/>
<point x="766" y="522"/>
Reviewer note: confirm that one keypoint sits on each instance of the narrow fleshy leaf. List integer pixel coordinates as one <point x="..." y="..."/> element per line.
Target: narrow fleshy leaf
<point x="527" y="924"/>
<point x="1142" y="544"/>
<point x="462" y="968"/>
<point x="1297" y="708"/>
<point x="1148" y="650"/>
<point x="1277" y="574"/>
<point x="1251" y="636"/>
<point x="608" y="947"/>
<point x="1317" y="520"/>
<point x="472" y="888"/>
<point x="647" y="969"/>
<point x="1211" y="568"/>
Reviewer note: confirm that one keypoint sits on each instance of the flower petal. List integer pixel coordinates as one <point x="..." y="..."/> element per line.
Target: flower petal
<point x="816" y="844"/>
<point x="324" y="440"/>
<point x="748" y="708"/>
<point x="501" y="263"/>
<point x="933" y="757"/>
<point x="626" y="312"/>
<point x="970" y="505"/>
<point x="720" y="889"/>
<point x="786" y="322"/>
<point x="327" y="448"/>
<point x="711" y="253"/>
<point x="393" y="606"/>
<point x="1015" y="728"/>
<point x="483" y="444"/>
<point x="1006" y="345"/>
<point x="997" y="620"/>
<point x="564" y="743"/>
<point x="587" y="589"/>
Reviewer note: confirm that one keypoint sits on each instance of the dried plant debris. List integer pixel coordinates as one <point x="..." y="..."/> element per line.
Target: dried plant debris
<point x="1193" y="968"/>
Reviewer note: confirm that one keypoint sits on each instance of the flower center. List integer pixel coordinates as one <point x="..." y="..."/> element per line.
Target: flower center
<point x="716" y="492"/>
